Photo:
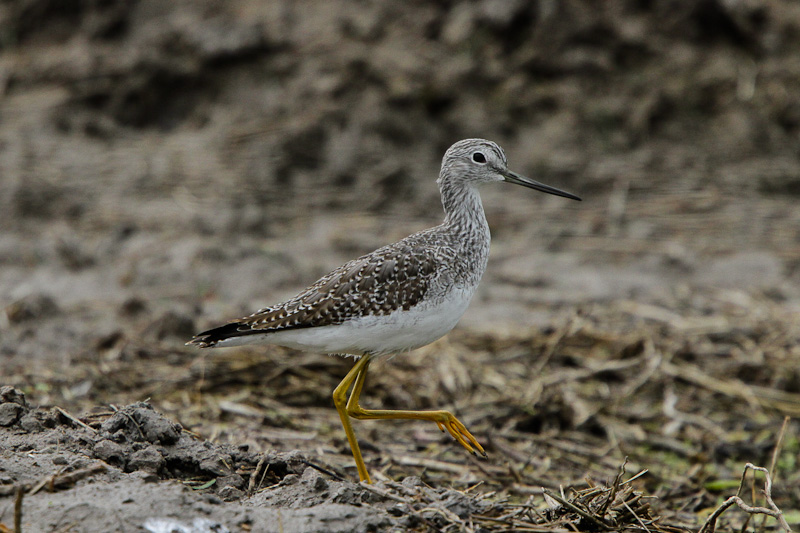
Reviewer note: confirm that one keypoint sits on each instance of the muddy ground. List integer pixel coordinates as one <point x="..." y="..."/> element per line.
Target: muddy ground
<point x="165" y="166"/>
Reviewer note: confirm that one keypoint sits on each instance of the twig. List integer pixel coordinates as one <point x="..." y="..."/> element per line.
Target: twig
<point x="325" y="471"/>
<point x="775" y="453"/>
<point x="693" y="374"/>
<point x="614" y="488"/>
<point x="59" y="480"/>
<point x="385" y="494"/>
<point x="637" y="476"/>
<point x="755" y="396"/>
<point x="251" y="486"/>
<point x="44" y="482"/>
<point x="778" y="445"/>
<point x="641" y="522"/>
<point x="711" y="523"/>
<point x="75" y="420"/>
<point x="18" y="509"/>
<point x="598" y="522"/>
<point x="431" y="464"/>
<point x="66" y="480"/>
<point x="473" y="487"/>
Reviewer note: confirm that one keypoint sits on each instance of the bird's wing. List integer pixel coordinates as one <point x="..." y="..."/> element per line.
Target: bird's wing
<point x="392" y="277"/>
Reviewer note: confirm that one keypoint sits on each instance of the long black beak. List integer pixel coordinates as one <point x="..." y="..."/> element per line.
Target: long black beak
<point x="513" y="177"/>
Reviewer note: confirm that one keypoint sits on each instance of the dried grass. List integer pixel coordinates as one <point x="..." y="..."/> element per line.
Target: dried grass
<point x="692" y="388"/>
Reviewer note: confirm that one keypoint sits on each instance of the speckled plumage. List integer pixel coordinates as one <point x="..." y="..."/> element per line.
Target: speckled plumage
<point x="399" y="297"/>
<point x="394" y="277"/>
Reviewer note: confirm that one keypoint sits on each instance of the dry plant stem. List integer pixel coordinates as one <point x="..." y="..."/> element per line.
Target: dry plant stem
<point x="711" y="523"/>
<point x="641" y="523"/>
<point x="775" y="453"/>
<point x="325" y="471"/>
<point x="754" y="395"/>
<point x="45" y="481"/>
<point x="614" y="488"/>
<point x="778" y="445"/>
<point x="65" y="480"/>
<point x="578" y="510"/>
<point x="62" y="480"/>
<point x="252" y="486"/>
<point x="386" y="494"/>
<point x="432" y="464"/>
<point x="75" y="420"/>
<point x="18" y="510"/>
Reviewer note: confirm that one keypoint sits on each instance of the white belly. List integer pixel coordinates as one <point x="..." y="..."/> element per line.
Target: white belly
<point x="396" y="332"/>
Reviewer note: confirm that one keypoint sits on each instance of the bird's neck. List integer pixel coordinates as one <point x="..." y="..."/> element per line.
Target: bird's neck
<point x="463" y="208"/>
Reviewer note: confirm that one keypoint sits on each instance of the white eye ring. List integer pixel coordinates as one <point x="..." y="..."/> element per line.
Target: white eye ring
<point x="479" y="158"/>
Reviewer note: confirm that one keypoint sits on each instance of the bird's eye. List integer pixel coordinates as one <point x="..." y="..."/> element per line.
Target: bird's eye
<point x="478" y="157"/>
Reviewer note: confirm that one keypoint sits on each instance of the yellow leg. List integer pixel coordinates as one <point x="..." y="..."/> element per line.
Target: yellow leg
<point x="356" y="393"/>
<point x="340" y="400"/>
<point x="444" y="419"/>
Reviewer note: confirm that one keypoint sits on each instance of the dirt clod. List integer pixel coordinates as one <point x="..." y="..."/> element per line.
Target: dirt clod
<point x="111" y="452"/>
<point x="141" y="423"/>
<point x="33" y="307"/>
<point x="10" y="413"/>
<point x="147" y="459"/>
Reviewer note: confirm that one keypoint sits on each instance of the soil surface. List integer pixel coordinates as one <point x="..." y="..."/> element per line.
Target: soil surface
<point x="166" y="166"/>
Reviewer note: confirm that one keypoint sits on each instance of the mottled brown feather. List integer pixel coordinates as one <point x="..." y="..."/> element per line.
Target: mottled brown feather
<point x="392" y="277"/>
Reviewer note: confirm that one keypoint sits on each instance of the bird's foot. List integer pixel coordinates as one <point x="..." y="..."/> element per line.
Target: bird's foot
<point x="459" y="431"/>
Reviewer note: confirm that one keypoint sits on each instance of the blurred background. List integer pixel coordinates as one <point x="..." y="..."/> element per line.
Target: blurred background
<point x="221" y="155"/>
<point x="165" y="166"/>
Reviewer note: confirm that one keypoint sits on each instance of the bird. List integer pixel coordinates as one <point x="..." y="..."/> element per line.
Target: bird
<point x="398" y="298"/>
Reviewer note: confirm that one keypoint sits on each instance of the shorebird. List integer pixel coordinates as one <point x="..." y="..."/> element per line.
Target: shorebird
<point x="400" y="297"/>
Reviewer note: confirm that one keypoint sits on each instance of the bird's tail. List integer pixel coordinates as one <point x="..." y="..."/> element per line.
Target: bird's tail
<point x="212" y="337"/>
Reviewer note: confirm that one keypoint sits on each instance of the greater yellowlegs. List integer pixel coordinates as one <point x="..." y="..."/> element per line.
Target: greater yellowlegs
<point x="397" y="298"/>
